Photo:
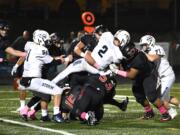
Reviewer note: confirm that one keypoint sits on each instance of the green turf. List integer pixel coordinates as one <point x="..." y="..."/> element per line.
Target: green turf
<point x="115" y="122"/>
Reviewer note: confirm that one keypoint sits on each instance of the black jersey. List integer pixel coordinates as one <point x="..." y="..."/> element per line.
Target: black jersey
<point x="71" y="49"/>
<point x="19" y="43"/>
<point x="141" y="63"/>
<point x="4" y="43"/>
<point x="90" y="41"/>
<point x="105" y="84"/>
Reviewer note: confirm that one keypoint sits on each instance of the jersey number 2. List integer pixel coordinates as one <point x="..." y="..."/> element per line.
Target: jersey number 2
<point x="102" y="51"/>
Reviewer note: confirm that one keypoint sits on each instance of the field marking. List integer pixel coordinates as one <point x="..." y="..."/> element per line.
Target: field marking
<point x="35" y="127"/>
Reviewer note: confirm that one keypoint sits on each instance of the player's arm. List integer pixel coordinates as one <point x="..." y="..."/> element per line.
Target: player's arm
<point x="78" y="49"/>
<point x="14" y="52"/>
<point x="131" y="73"/>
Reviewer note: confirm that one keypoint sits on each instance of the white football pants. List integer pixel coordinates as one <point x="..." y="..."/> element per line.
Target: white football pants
<point x="77" y="66"/>
<point x="166" y="84"/>
<point x="44" y="86"/>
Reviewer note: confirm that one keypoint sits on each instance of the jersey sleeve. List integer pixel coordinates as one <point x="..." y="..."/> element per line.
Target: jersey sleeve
<point x="158" y="50"/>
<point x="138" y="62"/>
<point x="89" y="41"/>
<point x="47" y="59"/>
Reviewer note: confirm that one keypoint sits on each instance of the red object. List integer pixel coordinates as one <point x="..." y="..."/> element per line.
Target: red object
<point x="88" y="18"/>
<point x="89" y="29"/>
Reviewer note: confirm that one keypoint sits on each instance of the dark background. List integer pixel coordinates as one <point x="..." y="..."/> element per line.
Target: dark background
<point x="136" y="16"/>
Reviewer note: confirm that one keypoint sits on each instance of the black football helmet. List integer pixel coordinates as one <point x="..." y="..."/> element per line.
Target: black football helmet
<point x="129" y="51"/>
<point x="100" y="29"/>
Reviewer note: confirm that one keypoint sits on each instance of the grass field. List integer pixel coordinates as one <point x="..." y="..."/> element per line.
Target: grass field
<point x="115" y="122"/>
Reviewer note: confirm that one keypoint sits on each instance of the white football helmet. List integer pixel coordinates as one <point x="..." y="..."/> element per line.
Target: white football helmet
<point x="41" y="37"/>
<point x="123" y="36"/>
<point x="147" y="39"/>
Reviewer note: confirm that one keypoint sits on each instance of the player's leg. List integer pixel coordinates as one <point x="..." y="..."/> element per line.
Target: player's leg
<point x="139" y="94"/>
<point x="77" y="66"/>
<point x="22" y="93"/>
<point x="48" y="87"/>
<point x="153" y="95"/>
<point x="166" y="84"/>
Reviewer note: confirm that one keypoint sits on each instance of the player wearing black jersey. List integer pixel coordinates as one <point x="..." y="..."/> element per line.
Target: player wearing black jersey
<point x="87" y="102"/>
<point x="145" y="86"/>
<point x="5" y="45"/>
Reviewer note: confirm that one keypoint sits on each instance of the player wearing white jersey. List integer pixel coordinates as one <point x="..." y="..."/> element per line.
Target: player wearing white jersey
<point x="106" y="52"/>
<point x="37" y="56"/>
<point x="156" y="53"/>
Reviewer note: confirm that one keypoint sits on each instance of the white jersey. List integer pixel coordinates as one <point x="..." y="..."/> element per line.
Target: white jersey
<point x="106" y="52"/>
<point x="36" y="57"/>
<point x="164" y="68"/>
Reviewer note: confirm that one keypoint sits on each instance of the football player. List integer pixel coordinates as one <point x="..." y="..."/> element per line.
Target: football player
<point x="5" y="45"/>
<point x="38" y="55"/>
<point x="87" y="102"/>
<point x="144" y="74"/>
<point x="156" y="53"/>
<point x="106" y="52"/>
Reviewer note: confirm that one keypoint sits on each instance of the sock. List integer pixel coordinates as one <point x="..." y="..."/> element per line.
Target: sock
<point x="32" y="112"/>
<point x="24" y="110"/>
<point x="162" y="110"/>
<point x="44" y="112"/>
<point x="22" y="103"/>
<point x="56" y="110"/>
<point x="147" y="108"/>
<point x="84" y="116"/>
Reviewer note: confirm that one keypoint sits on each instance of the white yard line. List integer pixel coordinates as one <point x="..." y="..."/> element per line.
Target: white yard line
<point x="35" y="127"/>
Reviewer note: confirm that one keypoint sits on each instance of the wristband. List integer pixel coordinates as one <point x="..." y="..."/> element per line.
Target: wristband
<point x="121" y="73"/>
<point x="82" y="54"/>
<point x="96" y="65"/>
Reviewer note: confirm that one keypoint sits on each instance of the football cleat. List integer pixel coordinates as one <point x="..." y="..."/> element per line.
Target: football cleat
<point x="91" y="118"/>
<point x="148" y="115"/>
<point x="172" y="112"/>
<point x="123" y="105"/>
<point x="165" y="117"/>
<point x="45" y="118"/>
<point x="58" y="118"/>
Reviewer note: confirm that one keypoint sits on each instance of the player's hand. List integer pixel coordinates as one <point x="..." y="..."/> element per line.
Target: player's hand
<point x="61" y="58"/>
<point x="14" y="70"/>
<point x="113" y="68"/>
